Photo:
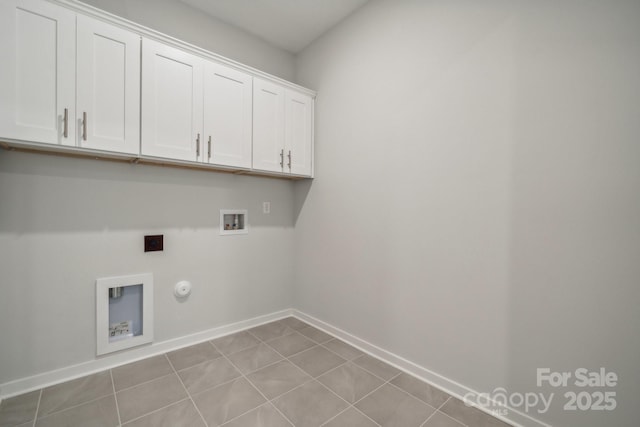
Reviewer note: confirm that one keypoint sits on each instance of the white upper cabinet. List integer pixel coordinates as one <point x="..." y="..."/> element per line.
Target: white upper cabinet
<point x="108" y="87"/>
<point x="268" y="126"/>
<point x="298" y="135"/>
<point x="282" y="129"/>
<point x="171" y="102"/>
<point x="37" y="75"/>
<point x="227" y="116"/>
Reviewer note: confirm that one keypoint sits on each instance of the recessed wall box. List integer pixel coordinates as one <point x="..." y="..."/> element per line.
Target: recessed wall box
<point x="124" y="312"/>
<point x="234" y="221"/>
<point x="153" y="243"/>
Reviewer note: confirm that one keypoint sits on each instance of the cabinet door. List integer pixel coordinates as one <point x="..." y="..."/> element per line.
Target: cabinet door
<point x="37" y="76"/>
<point x="171" y="102"/>
<point x="298" y="133"/>
<point x="108" y="87"/>
<point x="227" y="116"/>
<point x="268" y="126"/>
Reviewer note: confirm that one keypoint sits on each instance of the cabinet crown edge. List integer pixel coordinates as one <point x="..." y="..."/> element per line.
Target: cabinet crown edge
<point x="146" y="32"/>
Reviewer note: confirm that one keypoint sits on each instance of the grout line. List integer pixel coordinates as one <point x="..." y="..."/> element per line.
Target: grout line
<point x="264" y="367"/>
<point x="366" y="416"/>
<point x="369" y="394"/>
<point x="428" y="418"/>
<point x="316" y="378"/>
<point x="185" y="389"/>
<point x="443" y="403"/>
<point x="35" y="416"/>
<point x="375" y="375"/>
<point x="336" y="415"/>
<point x="458" y="422"/>
<point x="335" y="352"/>
<point x="288" y="331"/>
<point x="411" y="395"/>
<point x="113" y="386"/>
<point x="75" y="406"/>
<point x="230" y="420"/>
<point x="145" y="382"/>
<point x="254" y="387"/>
<point x="156" y="410"/>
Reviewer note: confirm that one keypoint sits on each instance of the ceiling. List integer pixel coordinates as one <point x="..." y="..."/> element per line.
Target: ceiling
<point x="288" y="24"/>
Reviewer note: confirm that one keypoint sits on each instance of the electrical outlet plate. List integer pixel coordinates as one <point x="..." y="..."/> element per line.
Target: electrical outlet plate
<point x="154" y="243"/>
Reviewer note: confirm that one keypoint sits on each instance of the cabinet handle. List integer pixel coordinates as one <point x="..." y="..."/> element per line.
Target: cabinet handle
<point x="84" y="126"/>
<point x="289" y="164"/>
<point x="65" y="132"/>
<point x="198" y="146"/>
<point x="282" y="158"/>
<point x="209" y="149"/>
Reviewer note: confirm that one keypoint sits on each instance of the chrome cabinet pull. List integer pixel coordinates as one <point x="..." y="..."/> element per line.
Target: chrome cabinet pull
<point x="289" y="164"/>
<point x="198" y="146"/>
<point x="209" y="149"/>
<point x="84" y="126"/>
<point x="282" y="158"/>
<point x="65" y="132"/>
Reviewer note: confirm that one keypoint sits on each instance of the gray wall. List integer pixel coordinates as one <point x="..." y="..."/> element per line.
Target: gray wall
<point x="476" y="208"/>
<point x="183" y="22"/>
<point x="65" y="222"/>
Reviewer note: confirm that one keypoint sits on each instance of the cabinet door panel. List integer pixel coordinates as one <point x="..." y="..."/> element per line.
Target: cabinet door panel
<point x="298" y="133"/>
<point x="37" y="81"/>
<point x="171" y="102"/>
<point x="227" y="115"/>
<point x="108" y="87"/>
<point x="268" y="126"/>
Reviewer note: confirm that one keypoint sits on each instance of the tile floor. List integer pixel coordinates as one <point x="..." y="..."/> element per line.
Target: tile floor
<point x="282" y="374"/>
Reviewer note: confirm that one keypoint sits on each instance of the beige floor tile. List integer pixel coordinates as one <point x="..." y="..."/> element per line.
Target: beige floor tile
<point x="98" y="413"/>
<point x="141" y="371"/>
<point x="19" y="409"/>
<point x="75" y="392"/>
<point x="423" y="391"/>
<point x="254" y="358"/>
<point x="376" y="367"/>
<point x="235" y="342"/>
<point x="343" y="349"/>
<point x="227" y="401"/>
<point x="291" y="344"/>
<point x="278" y="378"/>
<point x="441" y="420"/>
<point x="271" y="330"/>
<point x="468" y="415"/>
<point x="315" y="334"/>
<point x="150" y="396"/>
<point x="350" y="382"/>
<point x="263" y="416"/>
<point x="190" y="356"/>
<point x="181" y="414"/>
<point x="208" y="374"/>
<point x="351" y="418"/>
<point x="392" y="407"/>
<point x="317" y="360"/>
<point x="310" y="405"/>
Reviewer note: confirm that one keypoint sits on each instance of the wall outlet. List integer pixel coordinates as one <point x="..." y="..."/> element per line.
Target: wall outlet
<point x="266" y="207"/>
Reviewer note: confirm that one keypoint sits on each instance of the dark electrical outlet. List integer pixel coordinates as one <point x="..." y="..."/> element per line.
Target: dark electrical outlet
<point x="153" y="243"/>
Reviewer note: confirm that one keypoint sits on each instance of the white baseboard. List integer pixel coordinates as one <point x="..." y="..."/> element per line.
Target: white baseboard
<point x="24" y="385"/>
<point x="515" y="417"/>
<point x="45" y="379"/>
